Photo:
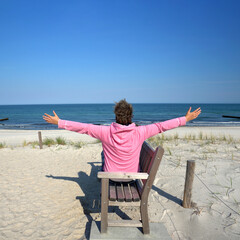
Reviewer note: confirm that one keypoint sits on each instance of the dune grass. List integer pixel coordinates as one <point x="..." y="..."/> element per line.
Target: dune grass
<point x="54" y="141"/>
<point x="49" y="142"/>
<point x="34" y="144"/>
<point x="57" y="141"/>
<point x="61" y="141"/>
<point x="2" y="145"/>
<point x="201" y="138"/>
<point x="78" y="144"/>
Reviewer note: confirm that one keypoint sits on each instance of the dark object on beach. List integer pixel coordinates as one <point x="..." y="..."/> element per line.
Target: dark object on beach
<point x="230" y="116"/>
<point x="3" y="119"/>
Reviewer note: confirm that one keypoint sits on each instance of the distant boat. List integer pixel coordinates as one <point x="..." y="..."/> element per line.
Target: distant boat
<point x="3" y="119"/>
<point x="230" y="116"/>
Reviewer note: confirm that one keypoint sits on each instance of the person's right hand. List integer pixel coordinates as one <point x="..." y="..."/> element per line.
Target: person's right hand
<point x="51" y="119"/>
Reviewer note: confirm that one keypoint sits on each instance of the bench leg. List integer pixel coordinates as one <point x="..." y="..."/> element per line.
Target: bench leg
<point x="104" y="205"/>
<point x="144" y="217"/>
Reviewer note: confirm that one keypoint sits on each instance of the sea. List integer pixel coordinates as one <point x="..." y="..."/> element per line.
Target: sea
<point x="30" y="116"/>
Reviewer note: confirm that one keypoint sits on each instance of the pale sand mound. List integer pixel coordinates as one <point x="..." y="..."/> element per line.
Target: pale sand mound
<point x="54" y="193"/>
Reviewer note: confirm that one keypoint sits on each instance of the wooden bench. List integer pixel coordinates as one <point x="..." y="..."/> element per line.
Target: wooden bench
<point x="134" y="193"/>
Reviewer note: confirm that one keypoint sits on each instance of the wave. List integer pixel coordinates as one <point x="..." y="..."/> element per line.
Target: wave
<point x="212" y="124"/>
<point x="30" y="126"/>
<point x="47" y="126"/>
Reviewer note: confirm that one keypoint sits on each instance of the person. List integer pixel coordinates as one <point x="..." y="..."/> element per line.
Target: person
<point x="122" y="140"/>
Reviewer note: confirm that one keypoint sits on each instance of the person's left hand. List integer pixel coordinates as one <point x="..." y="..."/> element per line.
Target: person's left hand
<point x="192" y="115"/>
<point x="51" y="119"/>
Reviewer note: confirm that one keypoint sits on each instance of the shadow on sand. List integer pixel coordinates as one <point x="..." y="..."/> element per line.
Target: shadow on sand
<point x="90" y="201"/>
<point x="167" y="195"/>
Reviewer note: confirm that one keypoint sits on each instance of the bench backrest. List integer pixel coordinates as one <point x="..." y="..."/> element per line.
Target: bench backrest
<point x="146" y="157"/>
<point x="149" y="163"/>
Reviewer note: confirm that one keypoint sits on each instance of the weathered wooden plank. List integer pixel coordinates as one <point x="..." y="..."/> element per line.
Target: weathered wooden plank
<point x="40" y="139"/>
<point x="127" y="192"/>
<point x="148" y="153"/>
<point x="153" y="168"/>
<point x="104" y="205"/>
<point x="120" y="175"/>
<point x="144" y="217"/>
<point x="140" y="184"/>
<point x="188" y="184"/>
<point x="148" y="161"/>
<point x="142" y="157"/>
<point x="120" y="194"/>
<point x="112" y="191"/>
<point x="134" y="191"/>
<point x="144" y="152"/>
<point x="124" y="204"/>
<point x="143" y="163"/>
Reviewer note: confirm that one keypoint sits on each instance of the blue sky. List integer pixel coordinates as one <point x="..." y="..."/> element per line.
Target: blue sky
<point x="102" y="51"/>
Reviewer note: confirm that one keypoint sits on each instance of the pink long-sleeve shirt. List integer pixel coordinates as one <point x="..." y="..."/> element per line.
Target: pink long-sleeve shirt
<point x="121" y="144"/>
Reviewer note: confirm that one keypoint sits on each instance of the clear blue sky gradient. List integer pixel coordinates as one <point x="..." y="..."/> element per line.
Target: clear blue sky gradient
<point x="54" y="51"/>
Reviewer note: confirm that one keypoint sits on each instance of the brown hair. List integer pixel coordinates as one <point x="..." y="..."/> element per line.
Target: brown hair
<point x="123" y="112"/>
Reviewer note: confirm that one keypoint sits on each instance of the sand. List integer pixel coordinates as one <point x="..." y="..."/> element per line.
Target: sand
<point x="53" y="193"/>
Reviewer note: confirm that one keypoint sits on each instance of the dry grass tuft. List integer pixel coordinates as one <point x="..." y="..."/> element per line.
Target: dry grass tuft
<point x="2" y="145"/>
<point x="49" y="142"/>
<point x="61" y="141"/>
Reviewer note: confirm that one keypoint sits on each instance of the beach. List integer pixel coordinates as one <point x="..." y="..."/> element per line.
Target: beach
<point x="54" y="193"/>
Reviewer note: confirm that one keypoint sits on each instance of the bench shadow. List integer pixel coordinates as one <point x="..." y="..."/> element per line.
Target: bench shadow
<point x="167" y="195"/>
<point x="90" y="186"/>
<point x="91" y="200"/>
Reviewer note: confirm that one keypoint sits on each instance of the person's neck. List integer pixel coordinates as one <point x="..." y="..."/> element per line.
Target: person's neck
<point x="124" y="124"/>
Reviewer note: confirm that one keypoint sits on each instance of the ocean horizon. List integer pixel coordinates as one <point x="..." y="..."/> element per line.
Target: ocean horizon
<point x="29" y="116"/>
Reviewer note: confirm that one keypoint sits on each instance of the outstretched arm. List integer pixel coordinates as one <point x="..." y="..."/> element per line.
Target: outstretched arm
<point x="155" y="128"/>
<point x="192" y="115"/>
<point x="83" y="128"/>
<point x="51" y="119"/>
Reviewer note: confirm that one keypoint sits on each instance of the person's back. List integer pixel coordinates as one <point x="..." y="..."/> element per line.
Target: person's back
<point x="121" y="147"/>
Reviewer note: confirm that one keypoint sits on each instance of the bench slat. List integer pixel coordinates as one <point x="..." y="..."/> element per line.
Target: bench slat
<point x="149" y="165"/>
<point x="112" y="191"/>
<point x="123" y="175"/>
<point x="134" y="191"/>
<point x="120" y="194"/>
<point x="142" y="157"/>
<point x="127" y="192"/>
<point x="124" y="204"/>
<point x="146" y="157"/>
<point x="147" y="160"/>
<point x="140" y="184"/>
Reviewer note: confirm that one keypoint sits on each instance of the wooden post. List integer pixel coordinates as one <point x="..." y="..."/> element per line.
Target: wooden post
<point x="40" y="140"/>
<point x="187" y="203"/>
<point x="104" y="205"/>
